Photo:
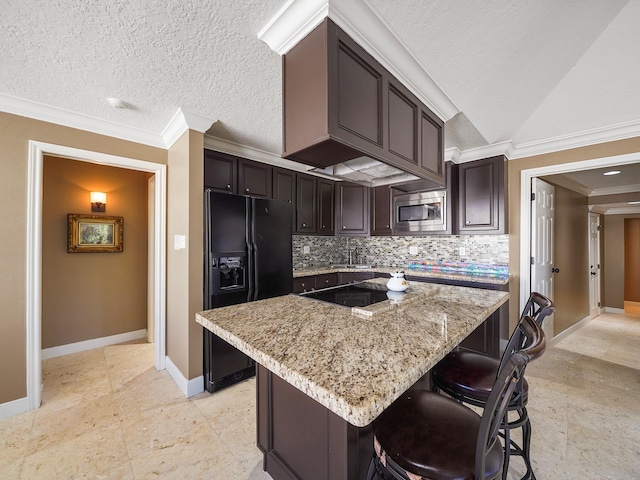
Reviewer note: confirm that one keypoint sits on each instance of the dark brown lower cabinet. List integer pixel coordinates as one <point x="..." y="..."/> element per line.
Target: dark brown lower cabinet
<point x="301" y="439"/>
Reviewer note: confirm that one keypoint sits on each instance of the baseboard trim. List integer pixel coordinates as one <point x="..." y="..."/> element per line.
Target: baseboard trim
<point x="189" y="388"/>
<point x="613" y="310"/>
<point x="565" y="333"/>
<point x="14" y="407"/>
<point x="53" y="352"/>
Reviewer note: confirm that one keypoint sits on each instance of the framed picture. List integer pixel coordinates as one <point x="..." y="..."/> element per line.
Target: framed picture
<point x="94" y="233"/>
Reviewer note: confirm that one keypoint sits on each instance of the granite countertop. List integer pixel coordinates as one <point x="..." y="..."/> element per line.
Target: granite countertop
<point x="354" y="362"/>
<point x="415" y="272"/>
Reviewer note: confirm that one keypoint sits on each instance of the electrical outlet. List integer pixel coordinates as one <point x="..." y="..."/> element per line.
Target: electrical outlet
<point x="413" y="250"/>
<point x="462" y="251"/>
<point x="305" y="249"/>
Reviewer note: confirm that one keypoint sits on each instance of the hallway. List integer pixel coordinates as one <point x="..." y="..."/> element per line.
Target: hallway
<point x="108" y="414"/>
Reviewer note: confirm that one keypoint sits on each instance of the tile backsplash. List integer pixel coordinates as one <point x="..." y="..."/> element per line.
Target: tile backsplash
<point x="394" y="251"/>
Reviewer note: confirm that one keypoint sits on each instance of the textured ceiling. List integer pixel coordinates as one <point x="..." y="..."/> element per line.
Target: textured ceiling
<point x="521" y="71"/>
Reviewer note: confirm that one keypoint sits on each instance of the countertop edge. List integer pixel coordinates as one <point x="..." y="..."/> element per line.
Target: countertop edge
<point x="354" y="414"/>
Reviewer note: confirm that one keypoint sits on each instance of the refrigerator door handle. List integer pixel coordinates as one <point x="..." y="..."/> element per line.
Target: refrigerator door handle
<point x="254" y="247"/>
<point x="249" y="242"/>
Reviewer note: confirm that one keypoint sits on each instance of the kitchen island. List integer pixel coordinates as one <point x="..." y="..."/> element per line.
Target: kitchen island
<point x="326" y="372"/>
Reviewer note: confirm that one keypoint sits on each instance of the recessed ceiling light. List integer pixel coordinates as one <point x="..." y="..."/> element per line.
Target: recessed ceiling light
<point x="612" y="172"/>
<point x="635" y="202"/>
<point x="117" y="103"/>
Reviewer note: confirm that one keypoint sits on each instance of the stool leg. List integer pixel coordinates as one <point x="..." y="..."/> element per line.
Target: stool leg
<point x="526" y="447"/>
<point x="507" y="447"/>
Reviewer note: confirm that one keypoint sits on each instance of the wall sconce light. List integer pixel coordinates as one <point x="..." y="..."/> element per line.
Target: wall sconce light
<point x="98" y="201"/>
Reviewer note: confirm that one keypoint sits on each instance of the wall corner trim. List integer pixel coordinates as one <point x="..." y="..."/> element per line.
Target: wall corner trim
<point x="189" y="388"/>
<point x="183" y="121"/>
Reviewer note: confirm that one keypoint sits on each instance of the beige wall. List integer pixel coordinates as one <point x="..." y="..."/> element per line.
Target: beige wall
<point x="15" y="133"/>
<point x="92" y="295"/>
<point x="571" y="257"/>
<point x="632" y="260"/>
<point x="614" y="260"/>
<point x="515" y="169"/>
<point x="184" y="267"/>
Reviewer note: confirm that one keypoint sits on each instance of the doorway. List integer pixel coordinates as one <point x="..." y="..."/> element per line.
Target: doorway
<point x="37" y="151"/>
<point x="594" y="265"/>
<point x="526" y="180"/>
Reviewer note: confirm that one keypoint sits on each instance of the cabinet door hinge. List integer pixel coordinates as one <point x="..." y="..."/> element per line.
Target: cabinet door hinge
<point x="533" y="196"/>
<point x="533" y="261"/>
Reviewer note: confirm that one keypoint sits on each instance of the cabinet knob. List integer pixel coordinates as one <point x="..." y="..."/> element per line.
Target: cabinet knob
<point x="326" y="281"/>
<point x="468" y="222"/>
<point x="322" y="226"/>
<point x="228" y="187"/>
<point x="343" y="227"/>
<point x="387" y="226"/>
<point x="304" y="224"/>
<point x="246" y="190"/>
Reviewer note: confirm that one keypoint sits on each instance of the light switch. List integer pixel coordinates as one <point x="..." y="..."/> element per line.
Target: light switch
<point x="305" y="249"/>
<point x="413" y="250"/>
<point x="179" y="242"/>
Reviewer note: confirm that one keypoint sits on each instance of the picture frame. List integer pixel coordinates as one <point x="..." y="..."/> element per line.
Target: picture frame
<point x="94" y="233"/>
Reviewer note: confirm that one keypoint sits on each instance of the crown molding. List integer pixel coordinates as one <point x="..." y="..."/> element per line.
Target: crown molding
<point x="631" y="210"/>
<point x="292" y="23"/>
<point x="462" y="156"/>
<point x="183" y="121"/>
<point x="585" y="138"/>
<point x="572" y="185"/>
<point x="615" y="190"/>
<point x="38" y="111"/>
<point x="298" y="17"/>
<point x="178" y="124"/>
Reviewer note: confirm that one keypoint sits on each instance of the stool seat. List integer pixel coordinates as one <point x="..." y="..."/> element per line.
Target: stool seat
<point x="430" y="435"/>
<point x="469" y="376"/>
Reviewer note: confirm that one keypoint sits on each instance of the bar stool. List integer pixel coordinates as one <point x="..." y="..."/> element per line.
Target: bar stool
<point x="468" y="378"/>
<point x="427" y="435"/>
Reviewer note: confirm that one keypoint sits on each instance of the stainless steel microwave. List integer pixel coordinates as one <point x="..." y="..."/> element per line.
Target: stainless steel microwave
<point x="420" y="212"/>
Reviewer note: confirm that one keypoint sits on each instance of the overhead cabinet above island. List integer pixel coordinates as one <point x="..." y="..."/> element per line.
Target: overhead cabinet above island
<point x="341" y="104"/>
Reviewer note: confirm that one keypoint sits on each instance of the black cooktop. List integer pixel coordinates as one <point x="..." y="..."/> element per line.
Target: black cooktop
<point x="352" y="295"/>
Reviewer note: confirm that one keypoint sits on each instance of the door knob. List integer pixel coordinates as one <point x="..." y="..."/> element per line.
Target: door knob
<point x="555" y="270"/>
<point x="593" y="273"/>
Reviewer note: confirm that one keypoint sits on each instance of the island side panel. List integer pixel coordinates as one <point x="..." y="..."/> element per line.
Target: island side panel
<point x="302" y="439"/>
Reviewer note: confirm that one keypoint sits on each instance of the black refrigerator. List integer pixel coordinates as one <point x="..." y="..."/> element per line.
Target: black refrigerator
<point x="247" y="257"/>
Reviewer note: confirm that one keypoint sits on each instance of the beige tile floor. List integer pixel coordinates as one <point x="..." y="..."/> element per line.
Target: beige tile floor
<point x="108" y="414"/>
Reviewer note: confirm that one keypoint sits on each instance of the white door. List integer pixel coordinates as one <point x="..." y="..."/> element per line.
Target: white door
<point x="594" y="264"/>
<point x="542" y="213"/>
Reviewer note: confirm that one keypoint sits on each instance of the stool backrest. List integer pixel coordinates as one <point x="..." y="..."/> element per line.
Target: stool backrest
<point x="529" y="339"/>
<point x="496" y="408"/>
<point x="538" y="307"/>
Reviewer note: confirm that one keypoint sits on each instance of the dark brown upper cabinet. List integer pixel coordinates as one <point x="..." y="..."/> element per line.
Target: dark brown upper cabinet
<point x="306" y="206"/>
<point x="254" y="178"/>
<point x="284" y="185"/>
<point x="481" y="196"/>
<point x="381" y="210"/>
<point x="352" y="209"/>
<point x="284" y="189"/>
<point x="340" y="104"/>
<point x="326" y="207"/>
<point x="220" y="172"/>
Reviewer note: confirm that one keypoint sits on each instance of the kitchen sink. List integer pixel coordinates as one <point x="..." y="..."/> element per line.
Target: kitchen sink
<point x="349" y="265"/>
